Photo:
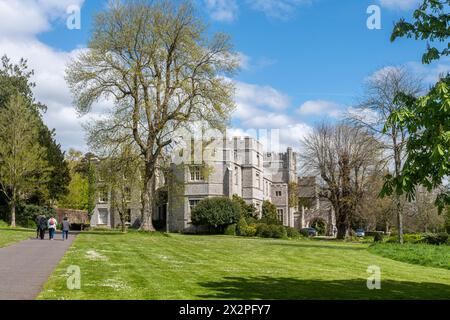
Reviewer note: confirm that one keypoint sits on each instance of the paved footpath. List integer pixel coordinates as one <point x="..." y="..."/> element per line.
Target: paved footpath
<point x="26" y="266"/>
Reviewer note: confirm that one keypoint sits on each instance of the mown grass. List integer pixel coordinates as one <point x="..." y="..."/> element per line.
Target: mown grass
<point x="143" y="266"/>
<point x="421" y="254"/>
<point x="9" y="236"/>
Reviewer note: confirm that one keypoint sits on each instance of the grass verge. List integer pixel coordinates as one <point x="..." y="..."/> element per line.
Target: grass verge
<point x="156" y="266"/>
<point x="420" y="254"/>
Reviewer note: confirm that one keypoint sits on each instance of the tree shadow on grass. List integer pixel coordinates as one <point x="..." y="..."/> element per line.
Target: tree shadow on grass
<point x="272" y="288"/>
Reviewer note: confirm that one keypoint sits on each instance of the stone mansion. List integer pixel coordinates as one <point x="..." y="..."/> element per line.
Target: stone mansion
<point x="236" y="166"/>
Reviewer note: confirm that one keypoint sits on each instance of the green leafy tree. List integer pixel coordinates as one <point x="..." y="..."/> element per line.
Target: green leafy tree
<point x="216" y="213"/>
<point x="248" y="211"/>
<point x="427" y="118"/>
<point x="59" y="177"/>
<point x="21" y="155"/>
<point x="431" y="22"/>
<point x="15" y="79"/>
<point x="77" y="196"/>
<point x="121" y="174"/>
<point x="156" y="59"/>
<point x="269" y="213"/>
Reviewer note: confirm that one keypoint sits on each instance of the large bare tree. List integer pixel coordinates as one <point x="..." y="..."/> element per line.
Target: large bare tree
<point x="164" y="72"/>
<point x="343" y="156"/>
<point x="377" y="105"/>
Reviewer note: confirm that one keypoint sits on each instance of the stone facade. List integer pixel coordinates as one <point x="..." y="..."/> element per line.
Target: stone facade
<point x="237" y="166"/>
<point x="227" y="167"/>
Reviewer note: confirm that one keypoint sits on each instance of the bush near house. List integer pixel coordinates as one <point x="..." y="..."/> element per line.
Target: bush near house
<point x="241" y="227"/>
<point x="264" y="230"/>
<point x="269" y="213"/>
<point x="230" y="230"/>
<point x="292" y="233"/>
<point x="249" y="231"/>
<point x="247" y="211"/>
<point x="217" y="213"/>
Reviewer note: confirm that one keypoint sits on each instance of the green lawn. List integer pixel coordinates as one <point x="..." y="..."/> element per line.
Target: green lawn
<point x="139" y="266"/>
<point x="421" y="254"/>
<point x="10" y="236"/>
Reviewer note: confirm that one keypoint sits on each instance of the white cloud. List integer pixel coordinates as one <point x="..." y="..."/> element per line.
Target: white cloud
<point x="430" y="73"/>
<point x="275" y="139"/>
<point x="222" y="10"/>
<point x="320" y="108"/>
<point x="268" y="120"/>
<point x="366" y="115"/>
<point x="23" y="18"/>
<point x="20" y="22"/>
<point x="400" y="4"/>
<point x="261" y="96"/>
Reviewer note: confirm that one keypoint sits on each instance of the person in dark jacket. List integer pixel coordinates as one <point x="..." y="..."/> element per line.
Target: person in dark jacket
<point x="38" y="228"/>
<point x="65" y="228"/>
<point x="42" y="225"/>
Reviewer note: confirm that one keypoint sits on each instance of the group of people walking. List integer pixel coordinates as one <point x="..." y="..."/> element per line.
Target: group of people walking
<point x="51" y="225"/>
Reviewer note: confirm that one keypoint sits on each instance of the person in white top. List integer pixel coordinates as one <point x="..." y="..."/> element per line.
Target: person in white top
<point x="52" y="223"/>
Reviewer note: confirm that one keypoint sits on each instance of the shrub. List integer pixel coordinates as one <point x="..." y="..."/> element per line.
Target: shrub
<point x="251" y="221"/>
<point x="215" y="212"/>
<point x="270" y="231"/>
<point x="246" y="210"/>
<point x="263" y="231"/>
<point x="242" y="224"/>
<point x="378" y="237"/>
<point x="292" y="232"/>
<point x="249" y="231"/>
<point x="269" y="213"/>
<point x="278" y="232"/>
<point x="230" y="230"/>
<point x="436" y="239"/>
<point x="413" y="238"/>
<point x="26" y="214"/>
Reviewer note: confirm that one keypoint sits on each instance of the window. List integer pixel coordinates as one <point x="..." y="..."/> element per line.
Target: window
<point x="196" y="173"/>
<point x="102" y="216"/>
<point x="278" y="193"/>
<point x="258" y="180"/>
<point x="103" y="196"/>
<point x="280" y="215"/>
<point x="193" y="204"/>
<point x="236" y="175"/>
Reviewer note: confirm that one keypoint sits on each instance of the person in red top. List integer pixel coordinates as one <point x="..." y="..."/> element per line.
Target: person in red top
<point x="52" y="223"/>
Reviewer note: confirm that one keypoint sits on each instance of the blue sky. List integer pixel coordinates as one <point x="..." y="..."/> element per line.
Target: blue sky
<point x="302" y="60"/>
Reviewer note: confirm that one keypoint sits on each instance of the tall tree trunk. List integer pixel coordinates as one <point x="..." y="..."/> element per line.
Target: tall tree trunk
<point x="398" y="171"/>
<point x="147" y="203"/>
<point x="341" y="225"/>
<point x="13" y="209"/>
<point x="399" y="220"/>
